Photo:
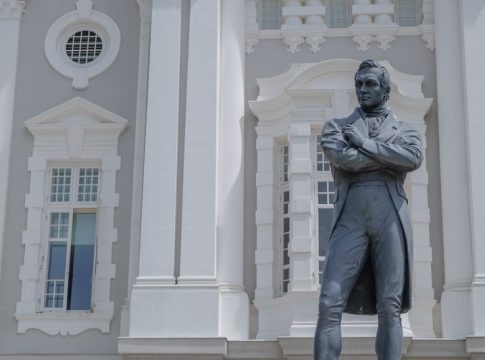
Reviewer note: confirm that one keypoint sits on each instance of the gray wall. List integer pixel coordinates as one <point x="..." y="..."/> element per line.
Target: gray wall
<point x="407" y="54"/>
<point x="40" y="87"/>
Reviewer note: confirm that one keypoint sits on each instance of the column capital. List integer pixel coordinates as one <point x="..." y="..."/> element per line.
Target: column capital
<point x="11" y="9"/>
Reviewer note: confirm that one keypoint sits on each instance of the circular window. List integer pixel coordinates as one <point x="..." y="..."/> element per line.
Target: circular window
<point x="84" y="46"/>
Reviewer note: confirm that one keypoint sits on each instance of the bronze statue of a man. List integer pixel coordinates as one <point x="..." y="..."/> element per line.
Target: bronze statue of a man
<point x="368" y="262"/>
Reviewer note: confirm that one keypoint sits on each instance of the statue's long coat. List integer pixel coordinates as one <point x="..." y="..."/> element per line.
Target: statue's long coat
<point x="396" y="150"/>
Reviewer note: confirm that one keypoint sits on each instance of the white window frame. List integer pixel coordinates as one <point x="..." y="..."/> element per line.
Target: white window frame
<point x="83" y="18"/>
<point x="72" y="207"/>
<point x="319" y="176"/>
<point x="75" y="132"/>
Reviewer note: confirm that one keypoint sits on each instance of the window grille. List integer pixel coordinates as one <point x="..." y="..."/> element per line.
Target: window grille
<point x="71" y="238"/>
<point x="56" y="270"/>
<point x="285" y="150"/>
<point x="286" y="240"/>
<point x="88" y="184"/>
<point x="338" y="14"/>
<point x="60" y="185"/>
<point x="408" y="13"/>
<point x="269" y="14"/>
<point x="325" y="198"/>
<point x="322" y="163"/>
<point x="84" y="46"/>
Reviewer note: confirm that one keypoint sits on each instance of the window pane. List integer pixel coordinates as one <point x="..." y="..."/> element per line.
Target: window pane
<point x="270" y="14"/>
<point x="325" y="219"/>
<point x="286" y="274"/>
<point x="56" y="272"/>
<point x="82" y="261"/>
<point x="322" y="163"/>
<point x="338" y="14"/>
<point x="60" y="189"/>
<point x="285" y="163"/>
<point x="57" y="261"/>
<point x="326" y="190"/>
<point x="407" y="11"/>
<point x="286" y="225"/>
<point x="59" y="226"/>
<point x="87" y="177"/>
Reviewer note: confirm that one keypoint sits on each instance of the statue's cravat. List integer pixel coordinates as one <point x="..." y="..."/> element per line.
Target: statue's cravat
<point x="374" y="120"/>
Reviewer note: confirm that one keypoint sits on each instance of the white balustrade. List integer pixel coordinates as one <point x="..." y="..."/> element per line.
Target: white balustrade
<point x="359" y="12"/>
<point x="386" y="12"/>
<point x="315" y="11"/>
<point x="373" y="21"/>
<point x="379" y="12"/>
<point x="292" y="12"/>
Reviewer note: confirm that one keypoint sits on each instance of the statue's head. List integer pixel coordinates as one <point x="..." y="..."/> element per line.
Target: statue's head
<point x="372" y="85"/>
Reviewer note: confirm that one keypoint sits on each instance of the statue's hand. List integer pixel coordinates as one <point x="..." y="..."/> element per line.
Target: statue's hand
<point x="353" y="135"/>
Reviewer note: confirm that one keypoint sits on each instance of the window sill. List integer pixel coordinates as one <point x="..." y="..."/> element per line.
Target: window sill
<point x="64" y="323"/>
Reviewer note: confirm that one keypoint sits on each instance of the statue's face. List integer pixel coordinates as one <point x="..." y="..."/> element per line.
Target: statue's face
<point x="370" y="93"/>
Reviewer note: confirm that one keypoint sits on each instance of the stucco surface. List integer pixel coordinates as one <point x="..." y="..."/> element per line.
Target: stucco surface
<point x="39" y="88"/>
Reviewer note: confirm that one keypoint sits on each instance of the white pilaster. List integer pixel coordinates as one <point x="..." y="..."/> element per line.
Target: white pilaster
<point x="421" y="314"/>
<point x="234" y="307"/>
<point x="201" y="154"/>
<point x="473" y="27"/>
<point x="198" y="286"/>
<point x="138" y="163"/>
<point x="455" y="300"/>
<point x="157" y="241"/>
<point x="10" y="14"/>
<point x="265" y="220"/>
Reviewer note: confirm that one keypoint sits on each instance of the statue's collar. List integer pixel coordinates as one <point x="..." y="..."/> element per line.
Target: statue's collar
<point x="381" y="113"/>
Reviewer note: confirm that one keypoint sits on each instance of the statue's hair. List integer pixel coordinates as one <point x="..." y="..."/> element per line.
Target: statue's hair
<point x="384" y="78"/>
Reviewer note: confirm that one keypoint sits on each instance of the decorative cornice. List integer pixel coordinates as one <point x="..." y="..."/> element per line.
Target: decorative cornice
<point x="11" y="9"/>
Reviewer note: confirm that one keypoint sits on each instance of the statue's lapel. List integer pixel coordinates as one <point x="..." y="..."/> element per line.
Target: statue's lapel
<point x="388" y="128"/>
<point x="356" y="119"/>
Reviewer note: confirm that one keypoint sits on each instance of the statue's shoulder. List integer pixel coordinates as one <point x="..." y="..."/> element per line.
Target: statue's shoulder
<point x="339" y="123"/>
<point x="405" y="126"/>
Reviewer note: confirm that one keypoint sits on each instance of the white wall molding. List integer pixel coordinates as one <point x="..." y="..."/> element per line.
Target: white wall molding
<point x="289" y="105"/>
<point x="10" y="16"/>
<point x="456" y="212"/>
<point x="84" y="18"/>
<point x="73" y="131"/>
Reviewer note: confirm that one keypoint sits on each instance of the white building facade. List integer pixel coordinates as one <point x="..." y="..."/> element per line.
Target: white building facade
<point x="164" y="195"/>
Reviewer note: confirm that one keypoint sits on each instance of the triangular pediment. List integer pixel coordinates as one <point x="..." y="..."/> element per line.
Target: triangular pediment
<point x="76" y="112"/>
